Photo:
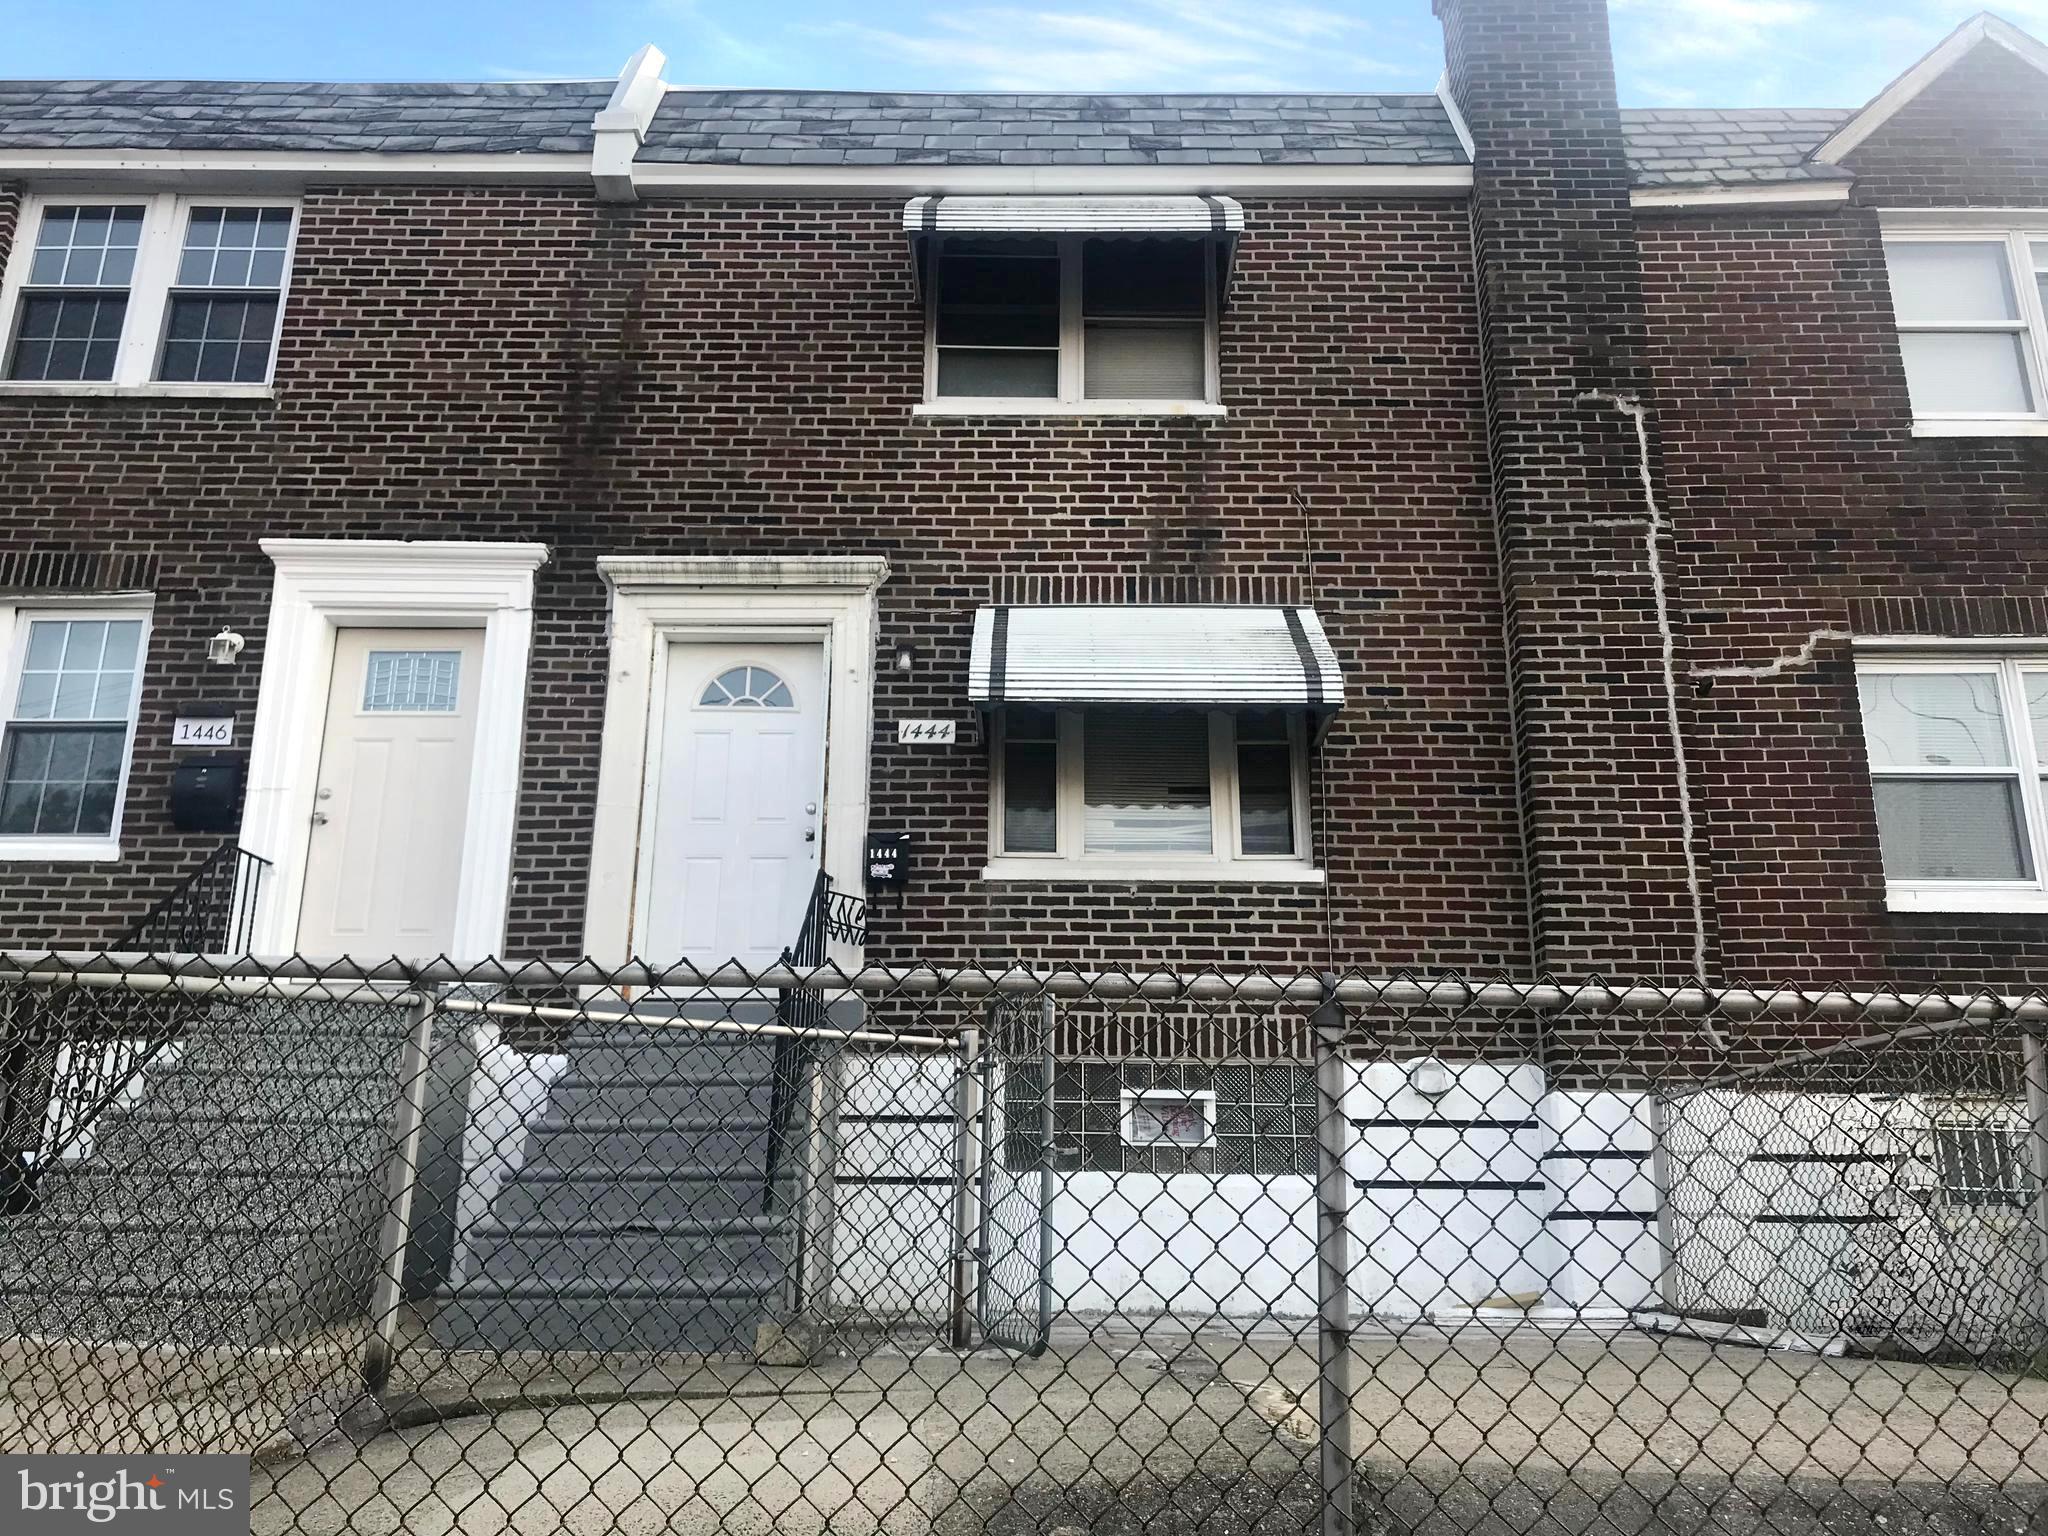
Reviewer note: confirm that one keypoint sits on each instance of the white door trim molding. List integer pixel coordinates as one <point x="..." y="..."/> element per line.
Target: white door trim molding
<point x="323" y="584"/>
<point x="656" y="599"/>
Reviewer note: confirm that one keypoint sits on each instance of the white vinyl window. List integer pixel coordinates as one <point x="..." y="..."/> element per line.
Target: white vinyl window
<point x="1972" y="312"/>
<point x="149" y="291"/>
<point x="1072" y="320"/>
<point x="1957" y="752"/>
<point x="1149" y="794"/>
<point x="70" y="686"/>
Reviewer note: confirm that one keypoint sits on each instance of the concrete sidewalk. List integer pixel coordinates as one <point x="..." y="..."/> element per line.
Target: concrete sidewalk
<point x="1153" y="1425"/>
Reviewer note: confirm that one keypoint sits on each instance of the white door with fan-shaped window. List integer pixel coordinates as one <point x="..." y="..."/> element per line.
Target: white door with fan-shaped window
<point x="738" y="812"/>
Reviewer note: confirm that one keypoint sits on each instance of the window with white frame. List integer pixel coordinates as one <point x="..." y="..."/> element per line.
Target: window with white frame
<point x="156" y="288"/>
<point x="1073" y="318"/>
<point x="71" y="687"/>
<point x="1972" y="312"/>
<point x="1958" y="749"/>
<point x="1156" y="793"/>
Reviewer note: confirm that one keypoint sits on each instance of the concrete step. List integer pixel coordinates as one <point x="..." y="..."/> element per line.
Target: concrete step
<point x="692" y="1321"/>
<point x="595" y="1141"/>
<point x="635" y="1196"/>
<point x="670" y="1056"/>
<point x="94" y="1194"/>
<point x="575" y="1096"/>
<point x="588" y="1259"/>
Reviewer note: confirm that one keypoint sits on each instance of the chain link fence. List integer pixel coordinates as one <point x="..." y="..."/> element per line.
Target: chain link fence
<point x="563" y="1248"/>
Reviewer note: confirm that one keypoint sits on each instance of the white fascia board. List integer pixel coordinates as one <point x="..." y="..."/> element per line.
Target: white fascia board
<point x="620" y="127"/>
<point x="1924" y="220"/>
<point x="1458" y="124"/>
<point x="1886" y="104"/>
<point x="1800" y="194"/>
<point x="277" y="170"/>
<point x="671" y="179"/>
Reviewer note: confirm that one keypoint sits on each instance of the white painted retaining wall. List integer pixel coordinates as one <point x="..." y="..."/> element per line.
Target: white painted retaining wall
<point x="1242" y="1246"/>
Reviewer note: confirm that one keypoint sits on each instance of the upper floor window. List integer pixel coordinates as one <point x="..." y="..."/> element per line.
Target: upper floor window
<point x="1972" y="309"/>
<point x="1958" y="750"/>
<point x="152" y="289"/>
<point x="70" y="691"/>
<point x="1072" y="320"/>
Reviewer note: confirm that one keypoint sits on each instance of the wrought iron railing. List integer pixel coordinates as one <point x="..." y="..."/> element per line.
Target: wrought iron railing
<point x="63" y="1070"/>
<point x="212" y="911"/>
<point x="828" y="915"/>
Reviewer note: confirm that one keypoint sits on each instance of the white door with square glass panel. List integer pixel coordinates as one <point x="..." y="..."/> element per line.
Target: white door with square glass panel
<point x="384" y="852"/>
<point x="739" y="779"/>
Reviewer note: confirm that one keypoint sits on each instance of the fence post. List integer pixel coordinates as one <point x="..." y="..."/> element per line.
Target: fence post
<point x="965" y="1222"/>
<point x="394" y="1232"/>
<point x="2036" y="1051"/>
<point x="1048" y="1131"/>
<point x="1333" y="1268"/>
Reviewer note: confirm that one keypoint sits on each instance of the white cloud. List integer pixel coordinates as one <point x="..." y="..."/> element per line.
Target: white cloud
<point x="1671" y="31"/>
<point x="1146" y="45"/>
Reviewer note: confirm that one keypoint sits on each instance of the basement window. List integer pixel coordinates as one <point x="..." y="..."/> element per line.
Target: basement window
<point x="1073" y="321"/>
<point x="150" y="292"/>
<point x="1149" y="794"/>
<point x="1958" y="749"/>
<point x="71" y="686"/>
<point x="1972" y="312"/>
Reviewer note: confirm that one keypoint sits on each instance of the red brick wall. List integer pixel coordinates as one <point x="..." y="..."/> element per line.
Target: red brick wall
<point x="738" y="377"/>
<point x="1803" y="502"/>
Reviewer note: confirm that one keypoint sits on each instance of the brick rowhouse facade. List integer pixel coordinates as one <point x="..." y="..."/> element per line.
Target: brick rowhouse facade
<point x="1410" y="449"/>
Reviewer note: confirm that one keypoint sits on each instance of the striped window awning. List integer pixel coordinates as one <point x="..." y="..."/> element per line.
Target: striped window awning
<point x="1142" y="654"/>
<point x="1073" y="215"/>
<point x="1219" y="218"/>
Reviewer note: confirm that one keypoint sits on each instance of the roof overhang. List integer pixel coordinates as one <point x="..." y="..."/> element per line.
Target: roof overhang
<point x="1143" y="654"/>
<point x="1979" y="30"/>
<point x="1715" y="196"/>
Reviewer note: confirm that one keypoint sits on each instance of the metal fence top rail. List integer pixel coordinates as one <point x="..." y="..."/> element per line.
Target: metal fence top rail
<point x="1399" y="992"/>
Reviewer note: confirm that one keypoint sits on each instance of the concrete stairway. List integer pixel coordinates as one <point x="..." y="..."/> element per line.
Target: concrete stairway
<point x="234" y="1200"/>
<point x="641" y="1217"/>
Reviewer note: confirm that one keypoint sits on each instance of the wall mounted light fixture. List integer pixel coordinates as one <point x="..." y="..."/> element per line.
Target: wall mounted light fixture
<point x="225" y="647"/>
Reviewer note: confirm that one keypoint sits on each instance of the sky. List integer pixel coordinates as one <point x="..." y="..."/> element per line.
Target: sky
<point x="1820" y="53"/>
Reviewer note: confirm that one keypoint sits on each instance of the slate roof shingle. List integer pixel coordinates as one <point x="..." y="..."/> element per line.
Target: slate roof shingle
<point x="499" y="117"/>
<point x="703" y="127"/>
<point x="1689" y="146"/>
<point x="1666" y="146"/>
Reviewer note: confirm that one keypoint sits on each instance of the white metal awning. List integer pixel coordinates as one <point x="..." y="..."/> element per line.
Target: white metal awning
<point x="1142" y="654"/>
<point x="1219" y="219"/>
<point x="1073" y="215"/>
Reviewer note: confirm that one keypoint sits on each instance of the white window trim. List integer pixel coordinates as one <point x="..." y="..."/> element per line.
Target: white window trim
<point x="1072" y="368"/>
<point x="1072" y="864"/>
<point x="2010" y="667"/>
<point x="322" y="585"/>
<point x="14" y="622"/>
<point x="164" y="218"/>
<point x="2017" y="233"/>
<point x="657" y="599"/>
<point x="1131" y="1098"/>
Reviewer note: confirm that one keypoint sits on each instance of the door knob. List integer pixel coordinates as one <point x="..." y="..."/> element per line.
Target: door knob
<point x="810" y="807"/>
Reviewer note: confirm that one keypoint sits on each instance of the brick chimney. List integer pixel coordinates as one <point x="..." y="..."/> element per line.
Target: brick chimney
<point x="1561" y="315"/>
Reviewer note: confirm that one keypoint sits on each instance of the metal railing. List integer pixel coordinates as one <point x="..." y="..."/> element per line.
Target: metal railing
<point x="1268" y="1251"/>
<point x="212" y="911"/>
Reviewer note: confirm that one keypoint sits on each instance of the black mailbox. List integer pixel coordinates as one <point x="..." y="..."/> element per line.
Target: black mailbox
<point x="888" y="860"/>
<point x="206" y="793"/>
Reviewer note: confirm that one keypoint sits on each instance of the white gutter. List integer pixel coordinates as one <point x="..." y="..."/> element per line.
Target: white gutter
<point x="1799" y="194"/>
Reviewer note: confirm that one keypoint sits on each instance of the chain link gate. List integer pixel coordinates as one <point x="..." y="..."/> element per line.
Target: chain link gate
<point x="1019" y="1155"/>
<point x="564" y="1247"/>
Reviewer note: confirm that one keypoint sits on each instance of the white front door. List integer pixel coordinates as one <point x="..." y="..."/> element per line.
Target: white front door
<point x="384" y="854"/>
<point x="739" y="791"/>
